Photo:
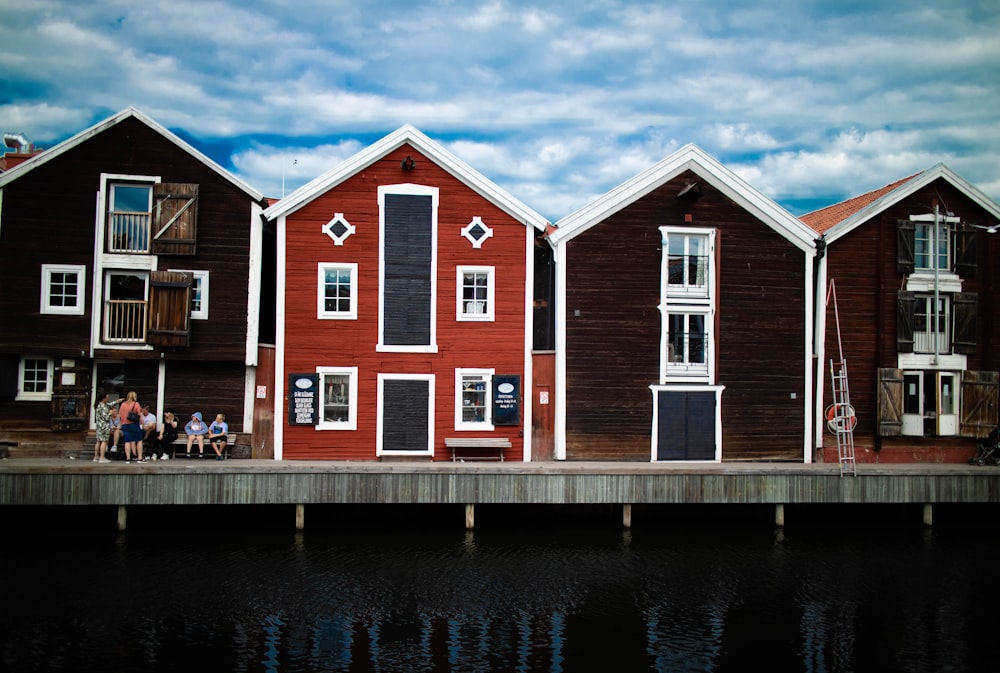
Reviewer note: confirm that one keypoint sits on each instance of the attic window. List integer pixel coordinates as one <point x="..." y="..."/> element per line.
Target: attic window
<point x="338" y="229"/>
<point x="477" y="232"/>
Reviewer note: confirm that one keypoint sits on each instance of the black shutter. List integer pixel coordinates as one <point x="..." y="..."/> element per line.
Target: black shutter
<point x="965" y="252"/>
<point x="407" y="275"/>
<point x="965" y="311"/>
<point x="905" y="310"/>
<point x="686" y="425"/>
<point x="890" y="402"/>
<point x="904" y="242"/>
<point x="405" y="415"/>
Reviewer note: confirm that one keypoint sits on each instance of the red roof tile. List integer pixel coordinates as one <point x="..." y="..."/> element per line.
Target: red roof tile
<point x="824" y="219"/>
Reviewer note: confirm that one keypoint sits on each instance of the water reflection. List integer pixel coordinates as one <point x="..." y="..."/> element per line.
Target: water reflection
<point x="560" y="598"/>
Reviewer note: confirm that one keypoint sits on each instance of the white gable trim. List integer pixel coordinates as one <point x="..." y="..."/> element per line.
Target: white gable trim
<point x="48" y="155"/>
<point x="911" y="186"/>
<point x="690" y="157"/>
<point x="439" y="155"/>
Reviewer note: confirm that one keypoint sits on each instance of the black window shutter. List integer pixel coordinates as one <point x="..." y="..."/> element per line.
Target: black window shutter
<point x="407" y="275"/>
<point x="965" y="310"/>
<point x="965" y="252"/>
<point x="905" y="310"/>
<point x="904" y="243"/>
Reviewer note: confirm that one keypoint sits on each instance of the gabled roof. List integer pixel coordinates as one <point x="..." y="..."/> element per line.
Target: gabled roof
<point x="129" y="112"/>
<point x="841" y="218"/>
<point x="688" y="158"/>
<point x="439" y="155"/>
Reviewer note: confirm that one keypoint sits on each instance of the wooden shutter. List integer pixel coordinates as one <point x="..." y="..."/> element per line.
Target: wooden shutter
<point x="890" y="402"/>
<point x="980" y="401"/>
<point x="407" y="248"/>
<point x="169" y="308"/>
<point x="905" y="310"/>
<point x="406" y="409"/>
<point x="904" y="244"/>
<point x="965" y="252"/>
<point x="175" y="218"/>
<point x="965" y="310"/>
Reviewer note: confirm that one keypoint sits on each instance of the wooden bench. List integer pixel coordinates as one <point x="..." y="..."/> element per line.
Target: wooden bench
<point x="477" y="448"/>
<point x="178" y="448"/>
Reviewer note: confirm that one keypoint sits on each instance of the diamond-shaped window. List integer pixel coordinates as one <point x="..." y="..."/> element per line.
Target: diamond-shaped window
<point x="477" y="232"/>
<point x="338" y="229"/>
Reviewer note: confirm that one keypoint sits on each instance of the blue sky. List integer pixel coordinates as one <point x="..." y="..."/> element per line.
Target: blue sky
<point x="557" y="102"/>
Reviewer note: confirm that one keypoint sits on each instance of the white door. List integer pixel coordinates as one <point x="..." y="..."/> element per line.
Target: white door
<point x="947" y="404"/>
<point x="913" y="404"/>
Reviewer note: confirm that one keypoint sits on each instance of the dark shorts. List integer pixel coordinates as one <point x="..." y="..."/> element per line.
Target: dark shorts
<point x="220" y="438"/>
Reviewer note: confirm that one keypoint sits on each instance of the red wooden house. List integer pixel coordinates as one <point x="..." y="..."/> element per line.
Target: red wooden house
<point x="404" y="321"/>
<point x="131" y="262"/>
<point x="684" y="321"/>
<point x="911" y="274"/>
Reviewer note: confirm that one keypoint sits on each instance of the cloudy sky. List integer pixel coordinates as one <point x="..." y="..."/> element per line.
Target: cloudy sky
<point x="557" y="101"/>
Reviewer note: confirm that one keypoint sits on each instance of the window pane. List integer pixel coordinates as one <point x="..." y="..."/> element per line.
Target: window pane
<point x="336" y="397"/>
<point x="62" y="289"/>
<point x="36" y="376"/>
<point x="696" y="339"/>
<point x="475" y="292"/>
<point x="337" y="290"/>
<point x="474" y="399"/>
<point x="196" y="295"/>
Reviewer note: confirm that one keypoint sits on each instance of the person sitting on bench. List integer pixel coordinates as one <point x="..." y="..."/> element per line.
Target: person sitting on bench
<point x="196" y="429"/>
<point x="217" y="435"/>
<point x="167" y="434"/>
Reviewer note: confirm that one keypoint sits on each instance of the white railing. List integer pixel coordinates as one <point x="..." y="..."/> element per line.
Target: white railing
<point x="924" y="342"/>
<point x="129" y="232"/>
<point x="125" y="321"/>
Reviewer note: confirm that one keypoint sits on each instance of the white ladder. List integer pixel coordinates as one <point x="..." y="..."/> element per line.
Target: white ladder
<point x="844" y="419"/>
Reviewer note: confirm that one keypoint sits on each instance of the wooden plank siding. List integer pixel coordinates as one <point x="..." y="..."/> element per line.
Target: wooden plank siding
<point x="310" y="342"/>
<point x="613" y="280"/>
<point x="863" y="266"/>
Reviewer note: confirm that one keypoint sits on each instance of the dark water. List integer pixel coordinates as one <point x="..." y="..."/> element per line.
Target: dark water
<point x="407" y="589"/>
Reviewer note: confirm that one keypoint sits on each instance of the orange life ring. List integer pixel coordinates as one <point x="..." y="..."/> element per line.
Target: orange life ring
<point x="831" y="418"/>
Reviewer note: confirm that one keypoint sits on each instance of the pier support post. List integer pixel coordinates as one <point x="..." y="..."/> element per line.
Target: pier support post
<point x="122" y="516"/>
<point x="779" y="515"/>
<point x="627" y="515"/>
<point x="300" y="516"/>
<point x="928" y="514"/>
<point x="470" y="516"/>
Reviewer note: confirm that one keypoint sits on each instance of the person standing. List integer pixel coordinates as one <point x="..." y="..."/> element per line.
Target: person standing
<point x="130" y="415"/>
<point x="102" y="419"/>
<point x="217" y="435"/>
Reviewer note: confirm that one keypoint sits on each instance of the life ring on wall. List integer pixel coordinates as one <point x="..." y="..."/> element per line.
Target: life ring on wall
<point x="833" y="423"/>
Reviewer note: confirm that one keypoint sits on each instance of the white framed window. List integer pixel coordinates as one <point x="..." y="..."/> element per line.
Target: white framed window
<point x="687" y="305"/>
<point x="925" y="240"/>
<point x="474" y="399"/>
<point x="129" y="216"/>
<point x="199" y="293"/>
<point x="338" y="398"/>
<point x="475" y="292"/>
<point x="931" y="329"/>
<point x="34" y="379"/>
<point x="338" y="229"/>
<point x="337" y="291"/>
<point x="62" y="289"/>
<point x="477" y="232"/>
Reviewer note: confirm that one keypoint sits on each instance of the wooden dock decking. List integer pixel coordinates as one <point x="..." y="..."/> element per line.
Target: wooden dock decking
<point x="58" y="481"/>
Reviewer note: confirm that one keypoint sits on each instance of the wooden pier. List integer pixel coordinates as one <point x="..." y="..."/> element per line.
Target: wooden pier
<point x="64" y="482"/>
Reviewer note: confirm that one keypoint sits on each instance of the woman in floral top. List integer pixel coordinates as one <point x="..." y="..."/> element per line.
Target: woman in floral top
<point x="102" y="418"/>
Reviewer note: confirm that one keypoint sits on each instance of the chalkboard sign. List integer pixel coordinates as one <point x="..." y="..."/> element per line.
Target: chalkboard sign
<point x="507" y="400"/>
<point x="68" y="407"/>
<point x="303" y="399"/>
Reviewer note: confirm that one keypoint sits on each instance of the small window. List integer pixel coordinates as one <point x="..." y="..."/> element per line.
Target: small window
<point x="687" y="344"/>
<point x="474" y="399"/>
<point x="687" y="264"/>
<point x="475" y="293"/>
<point x="477" y="232"/>
<point x="130" y="207"/>
<point x="925" y="240"/>
<point x="199" y="293"/>
<point x="337" y="292"/>
<point x="931" y="333"/>
<point x="62" y="289"/>
<point x="338" y="398"/>
<point x="338" y="229"/>
<point x="34" y="379"/>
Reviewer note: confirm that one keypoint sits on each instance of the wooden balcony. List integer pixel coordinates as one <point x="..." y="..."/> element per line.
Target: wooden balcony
<point x="124" y="322"/>
<point x="129" y="233"/>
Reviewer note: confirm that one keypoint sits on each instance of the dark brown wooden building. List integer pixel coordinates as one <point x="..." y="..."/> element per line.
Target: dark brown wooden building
<point x="131" y="262"/>
<point x="915" y="328"/>
<point x="684" y="321"/>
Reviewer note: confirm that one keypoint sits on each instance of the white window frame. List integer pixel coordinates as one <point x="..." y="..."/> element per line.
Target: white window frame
<point x="47" y="307"/>
<point x="321" y="312"/>
<point x="467" y="232"/>
<point x="352" y="421"/>
<point x="349" y="229"/>
<point x="34" y="396"/>
<point x="923" y="233"/>
<point x="688" y="299"/>
<point x="462" y="314"/>
<point x="486" y="378"/>
<point x="199" y="280"/>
